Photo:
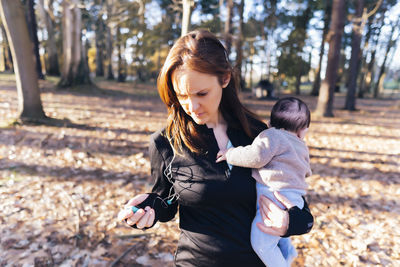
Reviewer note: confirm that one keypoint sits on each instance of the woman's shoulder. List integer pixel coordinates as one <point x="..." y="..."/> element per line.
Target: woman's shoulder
<point x="158" y="135"/>
<point x="159" y="140"/>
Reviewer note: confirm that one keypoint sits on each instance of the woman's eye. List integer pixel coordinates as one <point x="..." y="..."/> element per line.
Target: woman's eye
<point x="202" y="94"/>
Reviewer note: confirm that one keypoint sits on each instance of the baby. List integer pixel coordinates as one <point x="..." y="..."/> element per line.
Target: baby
<point x="279" y="160"/>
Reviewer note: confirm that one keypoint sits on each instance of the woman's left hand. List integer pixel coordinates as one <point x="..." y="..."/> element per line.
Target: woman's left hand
<point x="221" y="155"/>
<point x="276" y="220"/>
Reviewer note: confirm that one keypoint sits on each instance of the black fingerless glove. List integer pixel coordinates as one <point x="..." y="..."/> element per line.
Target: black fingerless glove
<point x="300" y="220"/>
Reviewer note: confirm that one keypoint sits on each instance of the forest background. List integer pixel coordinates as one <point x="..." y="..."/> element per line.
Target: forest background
<point x="78" y="101"/>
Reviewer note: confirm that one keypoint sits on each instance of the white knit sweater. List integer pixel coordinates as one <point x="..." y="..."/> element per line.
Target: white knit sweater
<point x="279" y="159"/>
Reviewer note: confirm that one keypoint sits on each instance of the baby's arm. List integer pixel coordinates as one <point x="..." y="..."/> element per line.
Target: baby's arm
<point x="256" y="155"/>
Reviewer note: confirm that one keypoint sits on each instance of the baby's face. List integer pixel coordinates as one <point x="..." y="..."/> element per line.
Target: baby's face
<point x="302" y="133"/>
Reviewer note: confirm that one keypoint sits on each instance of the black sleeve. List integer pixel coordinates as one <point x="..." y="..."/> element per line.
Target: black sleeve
<point x="159" y="151"/>
<point x="162" y="189"/>
<point x="300" y="220"/>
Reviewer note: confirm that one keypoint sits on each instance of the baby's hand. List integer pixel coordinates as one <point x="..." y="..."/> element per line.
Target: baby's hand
<point x="221" y="155"/>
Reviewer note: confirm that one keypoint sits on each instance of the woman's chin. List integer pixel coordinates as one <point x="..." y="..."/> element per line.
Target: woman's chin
<point x="199" y="121"/>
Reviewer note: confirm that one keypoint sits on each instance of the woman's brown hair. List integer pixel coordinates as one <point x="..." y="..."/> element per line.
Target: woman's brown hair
<point x="201" y="51"/>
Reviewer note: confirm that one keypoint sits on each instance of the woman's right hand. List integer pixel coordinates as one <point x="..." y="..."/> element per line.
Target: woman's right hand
<point x="276" y="220"/>
<point x="142" y="217"/>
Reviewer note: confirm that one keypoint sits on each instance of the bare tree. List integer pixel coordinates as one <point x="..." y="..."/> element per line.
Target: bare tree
<point x="358" y="26"/>
<point x="32" y="29"/>
<point x="381" y="77"/>
<point x="47" y="15"/>
<point x="186" y="14"/>
<point x="326" y="95"/>
<point x="366" y="82"/>
<point x="363" y="68"/>
<point x="221" y="12"/>
<point x="100" y="45"/>
<point x="121" y="69"/>
<point x="109" y="40"/>
<point x="8" y="64"/>
<point x="327" y="18"/>
<point x="357" y="61"/>
<point x="74" y="69"/>
<point x="228" y="26"/>
<point x="29" y="102"/>
<point x="367" y="69"/>
<point x="239" y="42"/>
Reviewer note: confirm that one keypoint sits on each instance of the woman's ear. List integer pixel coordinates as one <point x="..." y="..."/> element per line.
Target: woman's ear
<point x="227" y="79"/>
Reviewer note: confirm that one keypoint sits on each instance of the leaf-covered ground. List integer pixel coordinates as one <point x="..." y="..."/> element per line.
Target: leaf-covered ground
<point x="61" y="187"/>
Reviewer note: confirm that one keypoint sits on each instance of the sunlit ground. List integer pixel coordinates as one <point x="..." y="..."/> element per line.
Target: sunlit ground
<point x="62" y="187"/>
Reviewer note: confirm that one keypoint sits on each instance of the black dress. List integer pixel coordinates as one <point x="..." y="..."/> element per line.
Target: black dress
<point x="216" y="205"/>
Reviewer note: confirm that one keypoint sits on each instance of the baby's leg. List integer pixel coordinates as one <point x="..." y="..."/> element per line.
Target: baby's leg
<point x="266" y="246"/>
<point x="288" y="250"/>
<point x="295" y="196"/>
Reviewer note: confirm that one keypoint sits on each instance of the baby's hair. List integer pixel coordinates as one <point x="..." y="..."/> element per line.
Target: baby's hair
<point x="291" y="114"/>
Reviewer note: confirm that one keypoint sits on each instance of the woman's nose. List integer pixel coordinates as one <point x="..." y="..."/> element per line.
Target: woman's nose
<point x="192" y="104"/>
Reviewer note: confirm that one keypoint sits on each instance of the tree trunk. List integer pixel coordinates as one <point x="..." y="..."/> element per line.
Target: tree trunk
<point x="29" y="102"/>
<point x="251" y="63"/>
<point x="221" y="11"/>
<point x="363" y="69"/>
<point x="267" y="50"/>
<point x="121" y="75"/>
<point x="355" y="58"/>
<point x="8" y="61"/>
<point x="109" y="39"/>
<point x="100" y="47"/>
<point x="268" y="35"/>
<point x="85" y="58"/>
<point x="228" y="26"/>
<point x="246" y="68"/>
<point x="298" y="81"/>
<point x="309" y="64"/>
<point x="326" y="95"/>
<point x="369" y="74"/>
<point x="239" y="42"/>
<point x="186" y="14"/>
<point x="74" y="71"/>
<point x="52" y="66"/>
<point x="367" y="83"/>
<point x="110" y="74"/>
<point x="125" y="64"/>
<point x="32" y="28"/>
<point x="301" y="25"/>
<point x="317" y="81"/>
<point x="381" y="76"/>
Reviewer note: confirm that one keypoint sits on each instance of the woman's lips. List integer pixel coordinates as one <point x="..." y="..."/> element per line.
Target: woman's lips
<point x="199" y="114"/>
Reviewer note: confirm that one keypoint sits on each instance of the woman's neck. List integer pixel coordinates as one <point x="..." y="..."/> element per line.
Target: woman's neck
<point x="217" y="123"/>
<point x="219" y="128"/>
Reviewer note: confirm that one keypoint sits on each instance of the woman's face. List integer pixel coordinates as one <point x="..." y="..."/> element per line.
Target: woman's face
<point x="199" y="94"/>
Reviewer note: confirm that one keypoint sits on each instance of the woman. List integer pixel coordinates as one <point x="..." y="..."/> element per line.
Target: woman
<point x="216" y="202"/>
